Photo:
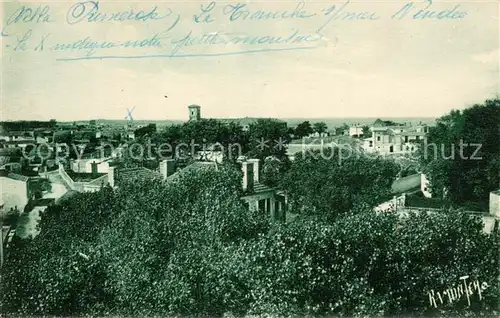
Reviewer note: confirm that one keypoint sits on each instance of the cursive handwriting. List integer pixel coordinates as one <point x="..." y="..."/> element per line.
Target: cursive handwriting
<point x="204" y="16"/>
<point x="167" y="38"/>
<point x="221" y="38"/>
<point x="89" y="46"/>
<point x="240" y="11"/>
<point x="340" y="13"/>
<point x="426" y="14"/>
<point x="26" y="14"/>
<point x="89" y="10"/>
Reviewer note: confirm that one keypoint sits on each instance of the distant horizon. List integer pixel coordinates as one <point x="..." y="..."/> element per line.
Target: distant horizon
<point x="223" y="118"/>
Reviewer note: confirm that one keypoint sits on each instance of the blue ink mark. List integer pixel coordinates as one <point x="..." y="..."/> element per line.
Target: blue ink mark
<point x="218" y="38"/>
<point x="129" y="115"/>
<point x="39" y="47"/>
<point x="205" y="14"/>
<point x="26" y="15"/>
<point x="426" y="14"/>
<point x="341" y="14"/>
<point x="185" y="55"/>
<point x="240" y="11"/>
<point x="91" y="46"/>
<point x="90" y="10"/>
<point x="21" y="41"/>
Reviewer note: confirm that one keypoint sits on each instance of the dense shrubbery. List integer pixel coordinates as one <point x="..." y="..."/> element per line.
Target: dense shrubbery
<point x="463" y="155"/>
<point x="191" y="248"/>
<point x="336" y="181"/>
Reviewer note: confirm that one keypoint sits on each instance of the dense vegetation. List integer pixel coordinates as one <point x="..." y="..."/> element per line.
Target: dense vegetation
<point x="191" y="248"/>
<point x="462" y="155"/>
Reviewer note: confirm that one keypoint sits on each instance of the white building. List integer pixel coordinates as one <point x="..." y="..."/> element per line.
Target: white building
<point x="15" y="191"/>
<point x="85" y="165"/>
<point x="356" y="131"/>
<point x="395" y="139"/>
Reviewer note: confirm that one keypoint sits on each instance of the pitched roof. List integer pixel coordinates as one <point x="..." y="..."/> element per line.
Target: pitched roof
<point x="15" y="176"/>
<point x="259" y="187"/>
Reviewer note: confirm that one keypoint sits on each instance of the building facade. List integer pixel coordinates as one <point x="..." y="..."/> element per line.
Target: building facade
<point x="395" y="139"/>
<point x="194" y="112"/>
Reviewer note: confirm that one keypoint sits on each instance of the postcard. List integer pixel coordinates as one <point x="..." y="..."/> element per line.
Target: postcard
<point x="250" y="158"/>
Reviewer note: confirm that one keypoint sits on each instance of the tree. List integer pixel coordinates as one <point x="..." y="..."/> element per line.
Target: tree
<point x="320" y="127"/>
<point x="336" y="180"/>
<point x="268" y="137"/>
<point x="303" y="129"/>
<point x="189" y="247"/>
<point x="272" y="171"/>
<point x="462" y="154"/>
<point x="366" y="131"/>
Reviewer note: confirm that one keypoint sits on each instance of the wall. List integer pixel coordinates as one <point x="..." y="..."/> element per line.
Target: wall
<point x="392" y="205"/>
<point x="495" y="203"/>
<point x="14" y="193"/>
<point x="66" y="178"/>
<point x="85" y="166"/>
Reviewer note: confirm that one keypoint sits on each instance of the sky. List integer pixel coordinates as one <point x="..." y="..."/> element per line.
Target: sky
<point x="357" y="68"/>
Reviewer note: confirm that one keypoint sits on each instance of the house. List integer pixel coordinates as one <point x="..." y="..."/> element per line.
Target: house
<point x="395" y="139"/>
<point x="258" y="196"/>
<point x="356" y="131"/>
<point x="90" y="165"/>
<point x="16" y="191"/>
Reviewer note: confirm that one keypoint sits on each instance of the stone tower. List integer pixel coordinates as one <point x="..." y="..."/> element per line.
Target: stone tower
<point x="194" y="112"/>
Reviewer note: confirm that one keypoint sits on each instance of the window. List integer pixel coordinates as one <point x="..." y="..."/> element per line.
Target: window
<point x="391" y="149"/>
<point x="406" y="138"/>
<point x="418" y="137"/>
<point x="371" y="143"/>
<point x="425" y="189"/>
<point x="378" y="138"/>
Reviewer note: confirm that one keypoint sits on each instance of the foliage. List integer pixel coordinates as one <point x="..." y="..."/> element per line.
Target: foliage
<point x="273" y="170"/>
<point x="320" y="127"/>
<point x="366" y="131"/>
<point x="303" y="129"/>
<point x="336" y="180"/>
<point x="200" y="135"/>
<point x="190" y="248"/>
<point x="27" y="125"/>
<point x="462" y="154"/>
<point x="268" y="137"/>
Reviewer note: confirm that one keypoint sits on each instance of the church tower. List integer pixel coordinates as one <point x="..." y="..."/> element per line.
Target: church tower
<point x="194" y="112"/>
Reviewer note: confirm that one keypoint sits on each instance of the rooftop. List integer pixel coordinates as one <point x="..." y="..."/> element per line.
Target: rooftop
<point x="14" y="176"/>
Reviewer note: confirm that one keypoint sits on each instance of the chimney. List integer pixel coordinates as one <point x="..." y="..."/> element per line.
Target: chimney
<point x="256" y="169"/>
<point x="93" y="166"/>
<point x="111" y="176"/>
<point x="248" y="176"/>
<point x="167" y="168"/>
